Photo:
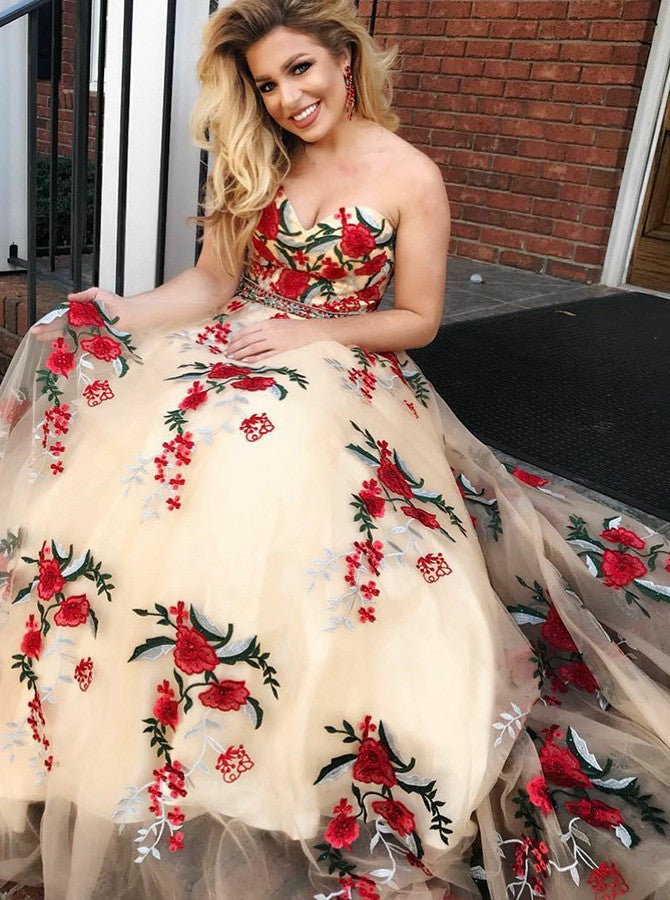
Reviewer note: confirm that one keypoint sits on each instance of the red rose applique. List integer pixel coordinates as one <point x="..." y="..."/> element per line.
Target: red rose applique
<point x="73" y="611"/>
<point x="268" y="224"/>
<point x="50" y="580"/>
<point x="433" y="566"/>
<point x="227" y="370"/>
<point x="623" y="536"/>
<point x="81" y="313"/>
<point x="254" y="384"/>
<point x="619" y="569"/>
<point x="235" y="761"/>
<point x="579" y="674"/>
<point x="607" y="882"/>
<point x="561" y="767"/>
<point x="101" y="347"/>
<point x="396" y="814"/>
<point x="539" y="794"/>
<point x="343" y="830"/>
<point x="256" y="426"/>
<point x="372" y="764"/>
<point x="426" y="518"/>
<point x="192" y="653"/>
<point x="195" y="397"/>
<point x="393" y="479"/>
<point x="61" y="361"/>
<point x="357" y="241"/>
<point x="292" y="283"/>
<point x="166" y="708"/>
<point x="31" y="645"/>
<point x="225" y="695"/>
<point x="372" y="266"/>
<point x="97" y="392"/>
<point x="372" y="497"/>
<point x="595" y="812"/>
<point x="331" y="271"/>
<point x="529" y="478"/>
<point x="555" y="633"/>
<point x="83" y="673"/>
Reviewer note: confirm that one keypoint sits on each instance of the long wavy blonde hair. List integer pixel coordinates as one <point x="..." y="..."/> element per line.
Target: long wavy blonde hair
<point x="251" y="152"/>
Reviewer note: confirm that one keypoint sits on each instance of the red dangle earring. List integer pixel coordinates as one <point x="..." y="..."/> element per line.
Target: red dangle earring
<point x="351" y="92"/>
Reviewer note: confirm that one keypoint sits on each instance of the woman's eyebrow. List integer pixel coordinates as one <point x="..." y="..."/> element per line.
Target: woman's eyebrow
<point x="285" y="66"/>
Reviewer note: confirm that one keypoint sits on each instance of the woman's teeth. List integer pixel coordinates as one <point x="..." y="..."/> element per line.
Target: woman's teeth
<point x="306" y="112"/>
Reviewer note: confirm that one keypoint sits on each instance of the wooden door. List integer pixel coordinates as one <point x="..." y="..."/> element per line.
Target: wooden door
<point x="650" y="263"/>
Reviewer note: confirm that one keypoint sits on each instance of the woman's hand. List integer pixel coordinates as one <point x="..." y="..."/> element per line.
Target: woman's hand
<point x="256" y="342"/>
<point x="112" y="305"/>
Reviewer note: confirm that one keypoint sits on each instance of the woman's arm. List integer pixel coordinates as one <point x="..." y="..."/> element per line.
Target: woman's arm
<point x="422" y="241"/>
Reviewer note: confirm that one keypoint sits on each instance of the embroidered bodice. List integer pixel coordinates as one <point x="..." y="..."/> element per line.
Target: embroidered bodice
<point x="340" y="266"/>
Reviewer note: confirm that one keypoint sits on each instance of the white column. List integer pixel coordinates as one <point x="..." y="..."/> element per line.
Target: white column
<point x="13" y="146"/>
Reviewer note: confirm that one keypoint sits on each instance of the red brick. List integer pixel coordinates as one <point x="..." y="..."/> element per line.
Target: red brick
<point x="538" y="187"/>
<point x="406" y="81"/>
<point x="476" y="250"/>
<point x="587" y="52"/>
<point x="631" y="54"/>
<point x="556" y="71"/>
<point x="528" y="89"/>
<point x="460" y="66"/>
<point x="479" y="124"/>
<point x="438" y="83"/>
<point x="613" y="139"/>
<point x="515" y="165"/>
<point x="421" y="26"/>
<point x="467" y="194"/>
<point x="505" y="68"/>
<point x="622" y="96"/>
<point x="543" y="9"/>
<point x="530" y="224"/>
<point x="485" y="216"/>
<point x="511" y="29"/>
<point x="574" y="273"/>
<point x="595" y="9"/>
<point x="411" y="45"/>
<point x="490" y="87"/>
<point x="511" y="202"/>
<point x="521" y="128"/>
<point x="571" y="134"/>
<point x="471" y="159"/>
<point x="521" y="261"/>
<point x="591" y="255"/>
<point x="554" y="112"/>
<point x="594" y="215"/>
<point x="439" y="138"/>
<point x="579" y="93"/>
<point x="558" y="209"/>
<point x="431" y="118"/>
<point x="467" y="28"/>
<point x="496" y="107"/>
<point x="606" y="178"/>
<point x="496" y="144"/>
<point x="416" y="135"/>
<point x="488" y="49"/>
<point x="420" y="63"/>
<point x="590" y="196"/>
<point x="414" y="99"/>
<point x="463" y="229"/>
<point x="450" y="9"/>
<point x="622" y="31"/>
<point x="601" y="115"/>
<point x="576" y="231"/>
<point x="549" y="246"/>
<point x="640" y="9"/>
<point x="501" y="237"/>
<point x="592" y="156"/>
<point x="535" y="50"/>
<point x="611" y="74"/>
<point x="493" y="180"/>
<point x="563" y="31"/>
<point x="457" y="102"/>
<point x="408" y="8"/>
<point x="495" y="9"/>
<point x="564" y="172"/>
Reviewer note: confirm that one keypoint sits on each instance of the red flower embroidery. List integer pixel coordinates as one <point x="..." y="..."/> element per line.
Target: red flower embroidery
<point x="31" y="645"/>
<point x="373" y="765"/>
<point x="233" y="763"/>
<point x="268" y="224"/>
<point x="559" y="765"/>
<point x="372" y="497"/>
<point x="607" y="882"/>
<point x="101" y="347"/>
<point x="227" y="370"/>
<point x="195" y="397"/>
<point x="539" y="794"/>
<point x="254" y="384"/>
<point x="366" y="614"/>
<point x="61" y="361"/>
<point x="256" y="426"/>
<point x="372" y="266"/>
<point x="225" y="695"/>
<point x="166" y="708"/>
<point x="83" y="673"/>
<point x="393" y="479"/>
<point x="73" y="611"/>
<point x="619" y="569"/>
<point x="357" y="241"/>
<point x="426" y="518"/>
<point x="97" y="392"/>
<point x="433" y="566"/>
<point x="579" y="674"/>
<point x="292" y="283"/>
<point x="369" y="590"/>
<point x="84" y="313"/>
<point x="176" y="841"/>
<point x="342" y="831"/>
<point x="50" y="580"/>
<point x="623" y="536"/>
<point x="331" y="271"/>
<point x="529" y="478"/>
<point x="192" y="653"/>
<point x="555" y="633"/>
<point x="396" y="814"/>
<point x="595" y="812"/>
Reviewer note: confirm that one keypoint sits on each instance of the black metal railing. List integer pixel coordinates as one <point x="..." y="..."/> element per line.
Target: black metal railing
<point x="79" y="200"/>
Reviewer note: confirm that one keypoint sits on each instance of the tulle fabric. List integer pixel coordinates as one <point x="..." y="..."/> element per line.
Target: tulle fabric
<point x="503" y="654"/>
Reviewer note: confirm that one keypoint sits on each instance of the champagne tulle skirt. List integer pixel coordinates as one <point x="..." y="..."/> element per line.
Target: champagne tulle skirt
<point x="288" y="630"/>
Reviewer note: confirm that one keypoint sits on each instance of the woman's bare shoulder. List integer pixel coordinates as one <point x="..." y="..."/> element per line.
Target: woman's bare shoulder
<point x="412" y="173"/>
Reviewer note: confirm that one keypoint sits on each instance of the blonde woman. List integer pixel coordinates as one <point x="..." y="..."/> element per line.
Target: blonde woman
<point x="275" y="624"/>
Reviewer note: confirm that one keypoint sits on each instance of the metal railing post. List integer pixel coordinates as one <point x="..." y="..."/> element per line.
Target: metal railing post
<point x="31" y="248"/>
<point x="82" y="78"/>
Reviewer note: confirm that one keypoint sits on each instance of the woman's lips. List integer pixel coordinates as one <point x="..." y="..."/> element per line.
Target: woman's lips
<point x="304" y="123"/>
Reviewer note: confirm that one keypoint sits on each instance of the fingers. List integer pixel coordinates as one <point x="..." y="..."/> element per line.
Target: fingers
<point x="88" y="294"/>
<point x="250" y="350"/>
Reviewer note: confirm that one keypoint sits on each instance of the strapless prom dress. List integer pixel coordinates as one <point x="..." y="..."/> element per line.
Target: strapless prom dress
<point x="289" y="630"/>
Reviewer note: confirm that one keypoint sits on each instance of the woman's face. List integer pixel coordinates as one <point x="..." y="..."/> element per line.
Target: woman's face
<point x="300" y="82"/>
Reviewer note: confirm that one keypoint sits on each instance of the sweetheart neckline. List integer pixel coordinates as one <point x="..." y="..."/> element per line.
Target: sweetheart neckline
<point x="281" y="190"/>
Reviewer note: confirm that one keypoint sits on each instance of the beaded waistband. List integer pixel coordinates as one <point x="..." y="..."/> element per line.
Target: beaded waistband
<point x="251" y="290"/>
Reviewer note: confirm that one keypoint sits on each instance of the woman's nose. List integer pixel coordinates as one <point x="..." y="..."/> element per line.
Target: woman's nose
<point x="290" y="97"/>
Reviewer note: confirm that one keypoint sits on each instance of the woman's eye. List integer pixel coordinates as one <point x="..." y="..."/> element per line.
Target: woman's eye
<point x="298" y="69"/>
<point x="264" y="87"/>
<point x="303" y="66"/>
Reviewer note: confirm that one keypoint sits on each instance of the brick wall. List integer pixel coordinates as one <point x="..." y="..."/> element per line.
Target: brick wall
<point x="527" y="107"/>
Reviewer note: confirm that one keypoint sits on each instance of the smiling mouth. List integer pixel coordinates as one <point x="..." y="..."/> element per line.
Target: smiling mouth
<point x="306" y="113"/>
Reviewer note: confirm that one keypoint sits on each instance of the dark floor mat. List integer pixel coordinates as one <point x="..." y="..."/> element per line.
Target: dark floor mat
<point x="585" y="395"/>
